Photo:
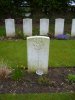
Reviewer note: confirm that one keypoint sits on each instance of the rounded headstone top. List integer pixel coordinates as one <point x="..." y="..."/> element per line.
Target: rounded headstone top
<point x="31" y="37"/>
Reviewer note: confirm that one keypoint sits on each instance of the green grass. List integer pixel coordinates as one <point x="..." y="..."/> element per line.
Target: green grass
<point x="62" y="53"/>
<point x="14" y="52"/>
<point x="51" y="96"/>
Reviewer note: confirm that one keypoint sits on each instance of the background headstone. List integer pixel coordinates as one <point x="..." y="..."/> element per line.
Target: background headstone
<point x="27" y="27"/>
<point x="44" y="26"/>
<point x="73" y="28"/>
<point x="38" y="53"/>
<point x="59" y="26"/>
<point x="10" y="27"/>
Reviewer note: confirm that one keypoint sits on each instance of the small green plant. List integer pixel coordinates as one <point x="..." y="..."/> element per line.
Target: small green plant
<point x="17" y="74"/>
<point x="71" y="78"/>
<point x="42" y="80"/>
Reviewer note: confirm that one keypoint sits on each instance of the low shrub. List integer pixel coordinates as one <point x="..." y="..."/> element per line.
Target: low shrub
<point x="71" y="78"/>
<point x="17" y="74"/>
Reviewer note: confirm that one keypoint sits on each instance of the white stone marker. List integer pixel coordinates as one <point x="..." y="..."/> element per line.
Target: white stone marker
<point x="10" y="27"/>
<point x="38" y="53"/>
<point x="27" y="27"/>
<point x="73" y="28"/>
<point x="59" y="26"/>
<point x="44" y="26"/>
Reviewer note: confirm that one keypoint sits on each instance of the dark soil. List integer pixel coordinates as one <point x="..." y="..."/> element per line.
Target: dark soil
<point x="55" y="81"/>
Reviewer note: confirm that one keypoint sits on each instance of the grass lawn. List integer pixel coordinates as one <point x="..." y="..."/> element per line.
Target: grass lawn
<point x="62" y="53"/>
<point x="55" y="96"/>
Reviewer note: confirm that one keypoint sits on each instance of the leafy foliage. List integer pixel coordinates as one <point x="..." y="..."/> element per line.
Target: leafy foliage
<point x="17" y="7"/>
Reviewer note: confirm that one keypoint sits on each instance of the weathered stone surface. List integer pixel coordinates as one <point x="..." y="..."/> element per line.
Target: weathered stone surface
<point x="27" y="27"/>
<point x="38" y="53"/>
<point x="10" y="27"/>
<point x="59" y="26"/>
<point x="73" y="28"/>
<point x="44" y="26"/>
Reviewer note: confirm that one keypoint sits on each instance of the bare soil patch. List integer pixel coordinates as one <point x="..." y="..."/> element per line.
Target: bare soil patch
<point x="55" y="81"/>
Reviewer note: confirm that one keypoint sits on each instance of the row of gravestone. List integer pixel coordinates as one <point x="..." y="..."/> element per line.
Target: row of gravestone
<point x="44" y="27"/>
<point x="37" y="46"/>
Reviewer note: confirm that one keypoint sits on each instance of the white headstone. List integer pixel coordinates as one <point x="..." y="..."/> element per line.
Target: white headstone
<point x="73" y="28"/>
<point x="38" y="53"/>
<point x="44" y="26"/>
<point x="10" y="27"/>
<point x="59" y="26"/>
<point x="27" y="27"/>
